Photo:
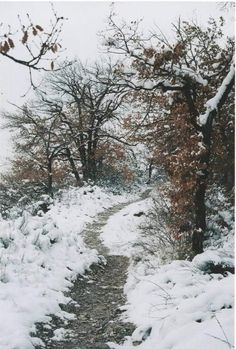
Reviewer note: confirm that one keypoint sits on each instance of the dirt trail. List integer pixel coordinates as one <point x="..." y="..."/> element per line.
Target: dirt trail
<point x="98" y="296"/>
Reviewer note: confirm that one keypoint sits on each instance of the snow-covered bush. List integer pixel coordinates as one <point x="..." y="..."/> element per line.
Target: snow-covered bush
<point x="181" y="306"/>
<point x="43" y="205"/>
<point x="220" y="212"/>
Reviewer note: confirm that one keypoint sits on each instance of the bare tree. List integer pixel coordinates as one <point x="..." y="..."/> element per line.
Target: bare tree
<point x="36" y="141"/>
<point x="85" y="106"/>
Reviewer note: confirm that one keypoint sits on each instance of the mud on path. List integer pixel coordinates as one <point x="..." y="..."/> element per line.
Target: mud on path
<point x="97" y="297"/>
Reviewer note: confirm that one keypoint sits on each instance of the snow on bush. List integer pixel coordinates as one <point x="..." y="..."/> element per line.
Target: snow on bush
<point x="39" y="257"/>
<point x="180" y="306"/>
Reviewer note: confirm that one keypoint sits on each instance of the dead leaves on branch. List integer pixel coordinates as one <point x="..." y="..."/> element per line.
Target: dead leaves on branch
<point x="36" y="30"/>
<point x="25" y="38"/>
<point x="40" y="44"/>
<point x="4" y="47"/>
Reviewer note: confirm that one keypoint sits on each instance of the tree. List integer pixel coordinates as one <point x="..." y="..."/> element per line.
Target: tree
<point x="37" y="49"/>
<point x="72" y="129"/>
<point x="85" y="106"/>
<point x="195" y="73"/>
<point x="37" y="145"/>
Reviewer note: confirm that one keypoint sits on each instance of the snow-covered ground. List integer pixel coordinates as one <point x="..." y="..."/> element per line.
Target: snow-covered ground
<point x="176" y="305"/>
<point x="121" y="233"/>
<point x="39" y="256"/>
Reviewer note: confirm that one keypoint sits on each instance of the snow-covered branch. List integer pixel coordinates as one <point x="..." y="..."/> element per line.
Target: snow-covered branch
<point x="217" y="101"/>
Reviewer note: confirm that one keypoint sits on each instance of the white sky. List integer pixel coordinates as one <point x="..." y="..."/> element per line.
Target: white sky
<point x="79" y="34"/>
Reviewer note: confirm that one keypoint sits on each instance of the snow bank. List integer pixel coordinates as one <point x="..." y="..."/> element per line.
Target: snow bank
<point x="121" y="232"/>
<point x="183" y="307"/>
<point x="179" y="307"/>
<point x="39" y="256"/>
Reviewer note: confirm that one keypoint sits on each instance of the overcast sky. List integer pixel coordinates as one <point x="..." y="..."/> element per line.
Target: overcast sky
<point x="80" y="38"/>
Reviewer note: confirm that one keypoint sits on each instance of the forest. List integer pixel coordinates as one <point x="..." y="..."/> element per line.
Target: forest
<point x="155" y="114"/>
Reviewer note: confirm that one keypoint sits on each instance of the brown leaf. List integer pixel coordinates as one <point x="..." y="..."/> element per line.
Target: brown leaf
<point x="6" y="47"/>
<point x="35" y="32"/>
<point x="25" y="37"/>
<point x="39" y="28"/>
<point x="11" y="43"/>
<point x="54" y="48"/>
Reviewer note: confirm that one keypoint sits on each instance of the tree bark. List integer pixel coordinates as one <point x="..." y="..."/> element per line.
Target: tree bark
<point x="200" y="194"/>
<point x="73" y="168"/>
<point x="84" y="160"/>
<point x="200" y="217"/>
<point x="150" y="168"/>
<point x="50" y="179"/>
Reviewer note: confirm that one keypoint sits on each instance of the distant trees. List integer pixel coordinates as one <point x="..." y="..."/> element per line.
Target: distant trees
<point x="37" y="145"/>
<point x="192" y="78"/>
<point x="68" y="131"/>
<point x="36" y="48"/>
<point x="86" y="106"/>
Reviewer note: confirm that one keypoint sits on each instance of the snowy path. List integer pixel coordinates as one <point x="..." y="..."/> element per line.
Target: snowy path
<point x="97" y="297"/>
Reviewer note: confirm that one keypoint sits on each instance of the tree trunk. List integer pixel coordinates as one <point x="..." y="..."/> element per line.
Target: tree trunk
<point x="50" y="179"/>
<point x="91" y="156"/>
<point x="198" y="235"/>
<point x="150" y="168"/>
<point x="200" y="206"/>
<point x="84" y="161"/>
<point x="92" y="146"/>
<point x="200" y="216"/>
<point x="92" y="168"/>
<point x="200" y="193"/>
<point x="74" y="169"/>
<point x="201" y="186"/>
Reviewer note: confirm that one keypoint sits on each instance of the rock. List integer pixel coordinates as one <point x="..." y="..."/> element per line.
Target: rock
<point x="136" y="343"/>
<point x="147" y="333"/>
<point x="139" y="214"/>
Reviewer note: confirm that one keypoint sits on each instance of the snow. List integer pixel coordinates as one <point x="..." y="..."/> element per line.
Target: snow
<point x="39" y="257"/>
<point x="217" y="257"/>
<point x="178" y="305"/>
<point x="212" y="104"/>
<point x="121" y="233"/>
<point x="148" y="84"/>
<point x="184" y="307"/>
<point x="60" y="334"/>
<point x="191" y="73"/>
